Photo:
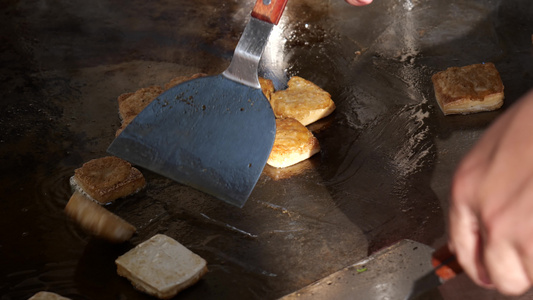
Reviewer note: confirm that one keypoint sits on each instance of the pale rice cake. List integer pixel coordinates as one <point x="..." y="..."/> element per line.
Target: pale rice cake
<point x="303" y="101"/>
<point x="468" y="89"/>
<point x="293" y="143"/>
<point x="161" y="267"/>
<point x="108" y="178"/>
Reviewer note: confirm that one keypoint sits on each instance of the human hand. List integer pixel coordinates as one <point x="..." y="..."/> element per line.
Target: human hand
<point x="359" y="2"/>
<point x="491" y="213"/>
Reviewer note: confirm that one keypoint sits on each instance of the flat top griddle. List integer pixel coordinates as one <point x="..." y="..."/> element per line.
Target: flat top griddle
<point x="387" y="157"/>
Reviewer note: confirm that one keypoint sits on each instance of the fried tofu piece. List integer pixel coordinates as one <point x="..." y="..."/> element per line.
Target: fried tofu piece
<point x="293" y="143"/>
<point x="181" y="79"/>
<point x="468" y="89"/>
<point x="161" y="267"/>
<point x="131" y="104"/>
<point x="107" y="179"/>
<point x="303" y="101"/>
<point x="97" y="220"/>
<point x="267" y="87"/>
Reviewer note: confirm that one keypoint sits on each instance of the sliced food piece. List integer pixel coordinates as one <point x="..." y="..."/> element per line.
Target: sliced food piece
<point x="108" y="178"/>
<point x="303" y="101"/>
<point x="293" y="143"/>
<point x="97" y="220"/>
<point x="161" y="267"/>
<point x="468" y="89"/>
<point x="267" y="86"/>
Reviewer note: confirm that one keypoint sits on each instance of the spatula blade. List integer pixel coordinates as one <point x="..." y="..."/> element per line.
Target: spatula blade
<point x="211" y="133"/>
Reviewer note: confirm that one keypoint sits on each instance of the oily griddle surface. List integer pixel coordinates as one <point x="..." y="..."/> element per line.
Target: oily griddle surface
<point x="387" y="157"/>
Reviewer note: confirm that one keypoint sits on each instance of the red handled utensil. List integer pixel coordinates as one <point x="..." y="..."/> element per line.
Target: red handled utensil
<point x="445" y="266"/>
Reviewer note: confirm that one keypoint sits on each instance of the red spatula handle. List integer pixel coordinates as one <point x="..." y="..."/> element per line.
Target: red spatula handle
<point x="269" y="10"/>
<point x="445" y="264"/>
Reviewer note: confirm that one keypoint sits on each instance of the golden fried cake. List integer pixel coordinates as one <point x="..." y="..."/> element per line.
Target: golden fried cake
<point x="161" y="267"/>
<point x="267" y="86"/>
<point x="303" y="101"/>
<point x="108" y="178"/>
<point x="293" y="143"/>
<point x="97" y="220"/>
<point x="468" y="89"/>
<point x="131" y="104"/>
<point x="180" y="79"/>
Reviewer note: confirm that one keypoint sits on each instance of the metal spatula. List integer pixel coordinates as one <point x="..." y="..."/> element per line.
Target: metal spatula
<point x="212" y="133"/>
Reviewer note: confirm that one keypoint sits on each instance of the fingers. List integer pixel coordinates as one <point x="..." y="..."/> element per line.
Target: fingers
<point x="506" y="269"/>
<point x="465" y="239"/>
<point x="508" y="254"/>
<point x="359" y="2"/>
<point x="491" y="223"/>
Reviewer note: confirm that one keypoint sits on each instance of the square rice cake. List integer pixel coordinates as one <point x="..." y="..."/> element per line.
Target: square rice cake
<point x="161" y="267"/>
<point x="468" y="89"/>
<point x="107" y="178"/>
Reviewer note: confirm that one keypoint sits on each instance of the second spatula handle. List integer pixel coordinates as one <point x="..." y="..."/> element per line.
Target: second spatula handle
<point x="269" y="10"/>
<point x="445" y="264"/>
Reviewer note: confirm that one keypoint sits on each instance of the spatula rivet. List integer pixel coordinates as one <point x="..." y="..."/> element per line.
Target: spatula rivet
<point x="266" y="2"/>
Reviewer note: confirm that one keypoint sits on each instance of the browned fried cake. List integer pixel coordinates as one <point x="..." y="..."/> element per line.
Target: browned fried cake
<point x="97" y="220"/>
<point x="292" y="144"/>
<point x="303" y="101"/>
<point x="131" y="104"/>
<point x="108" y="178"/>
<point x="468" y="89"/>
